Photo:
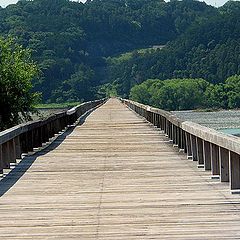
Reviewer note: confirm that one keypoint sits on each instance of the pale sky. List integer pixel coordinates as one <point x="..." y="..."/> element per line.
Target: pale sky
<point x="216" y="3"/>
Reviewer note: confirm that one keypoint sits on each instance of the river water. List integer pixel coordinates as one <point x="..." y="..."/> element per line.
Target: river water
<point x="225" y="121"/>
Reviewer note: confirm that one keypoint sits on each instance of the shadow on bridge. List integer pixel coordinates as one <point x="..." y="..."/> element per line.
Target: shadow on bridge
<point x="20" y="169"/>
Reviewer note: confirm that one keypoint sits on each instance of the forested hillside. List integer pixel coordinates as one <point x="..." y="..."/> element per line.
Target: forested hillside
<point x="208" y="49"/>
<point x="70" y="41"/>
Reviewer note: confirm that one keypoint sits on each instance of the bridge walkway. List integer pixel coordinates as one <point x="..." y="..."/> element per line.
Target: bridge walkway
<point x="115" y="177"/>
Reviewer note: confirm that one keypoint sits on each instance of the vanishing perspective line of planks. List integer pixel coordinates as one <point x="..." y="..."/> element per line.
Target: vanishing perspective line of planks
<point x="115" y="177"/>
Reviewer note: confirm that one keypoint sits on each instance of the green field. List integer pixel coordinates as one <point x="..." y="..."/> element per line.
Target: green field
<point x="56" y="105"/>
<point x="126" y="56"/>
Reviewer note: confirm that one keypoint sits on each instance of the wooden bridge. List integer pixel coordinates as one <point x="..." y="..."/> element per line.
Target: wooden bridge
<point x="116" y="176"/>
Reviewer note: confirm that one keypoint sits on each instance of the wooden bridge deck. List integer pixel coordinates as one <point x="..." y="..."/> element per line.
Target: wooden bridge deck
<point x="115" y="177"/>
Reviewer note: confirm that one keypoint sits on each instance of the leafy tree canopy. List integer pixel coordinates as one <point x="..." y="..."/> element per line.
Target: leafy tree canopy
<point x="66" y="36"/>
<point x="16" y="73"/>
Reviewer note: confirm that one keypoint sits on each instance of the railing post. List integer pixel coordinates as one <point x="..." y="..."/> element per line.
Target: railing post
<point x="5" y="155"/>
<point x="207" y="155"/>
<point x="40" y="138"/>
<point x="148" y="116"/>
<point x="153" y="119"/>
<point x="215" y="160"/>
<point x="167" y="128"/>
<point x="35" y="138"/>
<point x="158" y="121"/>
<point x="179" y="138"/>
<point x="12" y="151"/>
<point x="43" y="130"/>
<point x="164" y="124"/>
<point x="183" y="140"/>
<point x="173" y="135"/>
<point x="24" y="143"/>
<point x="188" y="145"/>
<point x="200" y="151"/>
<point x="194" y="147"/>
<point x="170" y="135"/>
<point x="234" y="172"/>
<point x="1" y="160"/>
<point x="18" y="148"/>
<point x="30" y="140"/>
<point x="224" y="157"/>
<point x="46" y="132"/>
<point x="173" y="132"/>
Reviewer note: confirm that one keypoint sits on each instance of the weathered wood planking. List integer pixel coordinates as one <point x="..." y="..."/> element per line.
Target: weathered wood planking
<point x="114" y="178"/>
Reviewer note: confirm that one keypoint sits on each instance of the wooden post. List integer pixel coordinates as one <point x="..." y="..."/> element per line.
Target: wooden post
<point x="46" y="136"/>
<point x="167" y="127"/>
<point x="154" y="119"/>
<point x="5" y="155"/>
<point x="164" y="124"/>
<point x="1" y="160"/>
<point x="42" y="134"/>
<point x="184" y="144"/>
<point x="194" y="147"/>
<point x="56" y="126"/>
<point x="215" y="160"/>
<point x="176" y="137"/>
<point x="224" y="164"/>
<point x="207" y="155"/>
<point x="188" y="145"/>
<point x="30" y="141"/>
<point x="170" y="131"/>
<point x="148" y="116"/>
<point x="176" y="141"/>
<point x="174" y="134"/>
<point x="18" y="148"/>
<point x="234" y="171"/>
<point x="200" y="151"/>
<point x="35" y="137"/>
<point x="49" y="130"/>
<point x="40" y="138"/>
<point x="159" y="121"/>
<point x="179" y="138"/>
<point x="12" y="151"/>
<point x="24" y="143"/>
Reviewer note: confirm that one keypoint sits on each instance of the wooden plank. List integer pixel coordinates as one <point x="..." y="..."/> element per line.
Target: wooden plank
<point x="114" y="178"/>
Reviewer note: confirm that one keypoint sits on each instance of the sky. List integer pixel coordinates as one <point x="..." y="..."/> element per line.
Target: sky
<point x="216" y="3"/>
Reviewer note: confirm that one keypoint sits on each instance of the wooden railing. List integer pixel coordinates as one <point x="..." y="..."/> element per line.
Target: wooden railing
<point x="213" y="150"/>
<point x="25" y="137"/>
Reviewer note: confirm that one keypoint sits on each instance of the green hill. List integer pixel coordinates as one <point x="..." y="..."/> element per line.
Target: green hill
<point x="71" y="41"/>
<point x="208" y="49"/>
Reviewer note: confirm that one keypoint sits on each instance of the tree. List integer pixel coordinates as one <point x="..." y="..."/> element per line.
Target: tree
<point x="172" y="94"/>
<point x="233" y="86"/>
<point x="16" y="73"/>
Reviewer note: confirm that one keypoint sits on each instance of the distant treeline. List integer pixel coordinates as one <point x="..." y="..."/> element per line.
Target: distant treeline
<point x="186" y="94"/>
<point x="104" y="47"/>
<point x="208" y="49"/>
<point x="70" y="41"/>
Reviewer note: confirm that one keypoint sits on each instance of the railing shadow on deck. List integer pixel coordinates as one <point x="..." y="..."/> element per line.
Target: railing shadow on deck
<point x="15" y="174"/>
<point x="13" y="145"/>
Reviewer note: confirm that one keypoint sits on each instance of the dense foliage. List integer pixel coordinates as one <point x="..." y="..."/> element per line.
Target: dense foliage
<point x="70" y="40"/>
<point x="208" y="49"/>
<point x="16" y="73"/>
<point x="106" y="47"/>
<point x="186" y="94"/>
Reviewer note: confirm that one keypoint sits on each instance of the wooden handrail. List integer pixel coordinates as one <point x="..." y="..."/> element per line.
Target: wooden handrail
<point x="214" y="151"/>
<point x="25" y="137"/>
